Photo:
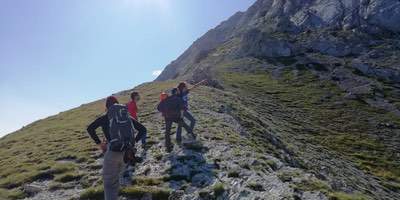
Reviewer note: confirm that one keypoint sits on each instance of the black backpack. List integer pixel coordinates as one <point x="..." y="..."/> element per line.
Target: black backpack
<point x="121" y="128"/>
<point x="171" y="107"/>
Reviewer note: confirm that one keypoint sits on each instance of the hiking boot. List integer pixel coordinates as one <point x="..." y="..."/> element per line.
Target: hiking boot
<point x="126" y="178"/>
<point x="125" y="181"/>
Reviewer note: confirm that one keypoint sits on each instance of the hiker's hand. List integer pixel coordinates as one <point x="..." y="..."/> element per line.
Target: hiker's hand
<point x="103" y="147"/>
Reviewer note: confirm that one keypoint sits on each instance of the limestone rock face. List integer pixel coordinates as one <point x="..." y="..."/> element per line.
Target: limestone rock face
<point x="256" y="43"/>
<point x="255" y="26"/>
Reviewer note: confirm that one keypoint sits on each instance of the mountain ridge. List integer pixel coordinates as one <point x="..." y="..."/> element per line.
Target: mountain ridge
<point x="374" y="17"/>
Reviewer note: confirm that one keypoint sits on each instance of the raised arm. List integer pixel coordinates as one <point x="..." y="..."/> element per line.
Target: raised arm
<point x="197" y="84"/>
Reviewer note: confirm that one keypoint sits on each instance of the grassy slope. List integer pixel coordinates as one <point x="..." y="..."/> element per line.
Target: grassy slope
<point x="301" y="109"/>
<point x="32" y="152"/>
<point x="291" y="105"/>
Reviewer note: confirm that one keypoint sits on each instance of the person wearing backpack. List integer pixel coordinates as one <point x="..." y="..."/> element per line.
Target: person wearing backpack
<point x="133" y="109"/>
<point x="119" y="132"/>
<point x="172" y="109"/>
<point x="184" y="94"/>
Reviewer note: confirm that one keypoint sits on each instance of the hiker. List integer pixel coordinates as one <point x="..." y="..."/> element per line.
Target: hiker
<point x="172" y="109"/>
<point x="184" y="94"/>
<point x="118" y="147"/>
<point x="163" y="96"/>
<point x="133" y="109"/>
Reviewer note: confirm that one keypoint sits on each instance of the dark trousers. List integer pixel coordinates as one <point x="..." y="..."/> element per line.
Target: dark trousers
<point x="142" y="132"/>
<point x="189" y="116"/>
<point x="168" y="126"/>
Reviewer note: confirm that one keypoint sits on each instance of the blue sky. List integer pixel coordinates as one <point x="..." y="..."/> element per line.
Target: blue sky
<point x="56" y="55"/>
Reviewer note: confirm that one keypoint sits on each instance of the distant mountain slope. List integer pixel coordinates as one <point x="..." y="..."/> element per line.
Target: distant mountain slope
<point x="375" y="17"/>
<point x="302" y="102"/>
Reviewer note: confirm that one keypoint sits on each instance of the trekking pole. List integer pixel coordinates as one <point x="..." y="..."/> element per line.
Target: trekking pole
<point x="199" y="83"/>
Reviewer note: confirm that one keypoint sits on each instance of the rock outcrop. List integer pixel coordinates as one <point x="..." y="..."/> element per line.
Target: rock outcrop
<point x="374" y="17"/>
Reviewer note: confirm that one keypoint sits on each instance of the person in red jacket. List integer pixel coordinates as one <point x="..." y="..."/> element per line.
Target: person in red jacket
<point x="133" y="110"/>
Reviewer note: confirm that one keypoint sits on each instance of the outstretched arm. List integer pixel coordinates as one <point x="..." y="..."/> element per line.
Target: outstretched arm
<point x="197" y="84"/>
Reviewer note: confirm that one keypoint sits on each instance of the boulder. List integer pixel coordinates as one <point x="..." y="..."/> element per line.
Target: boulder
<point x="176" y="195"/>
<point x="259" y="44"/>
<point x="361" y="90"/>
<point x="32" y="189"/>
<point x="387" y="74"/>
<point x="180" y="170"/>
<point x="202" y="179"/>
<point x="383" y="73"/>
<point x="314" y="196"/>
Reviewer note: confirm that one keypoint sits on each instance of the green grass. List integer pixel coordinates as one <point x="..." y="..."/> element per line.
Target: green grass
<point x="62" y="167"/>
<point x="68" y="177"/>
<point x="218" y="189"/>
<point x="233" y="174"/>
<point x="92" y="193"/>
<point x="175" y="177"/>
<point x="345" y="196"/>
<point x="55" y="186"/>
<point x="313" y="185"/>
<point x="148" y="181"/>
<point x="256" y="186"/>
<point x="37" y="151"/>
<point x="394" y="186"/>
<point x="306" y="115"/>
<point x="11" y="194"/>
<point x="156" y="193"/>
<point x="272" y="164"/>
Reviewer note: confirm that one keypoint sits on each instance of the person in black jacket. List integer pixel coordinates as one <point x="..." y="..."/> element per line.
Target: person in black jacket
<point x="104" y="123"/>
<point x="115" y="170"/>
<point x="172" y="108"/>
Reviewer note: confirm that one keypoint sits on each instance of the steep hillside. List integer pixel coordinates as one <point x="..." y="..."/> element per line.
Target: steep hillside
<point x="322" y="79"/>
<point x="302" y="102"/>
<point x="55" y="159"/>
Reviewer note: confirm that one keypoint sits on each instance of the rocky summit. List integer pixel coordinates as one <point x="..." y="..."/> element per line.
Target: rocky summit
<point x="302" y="101"/>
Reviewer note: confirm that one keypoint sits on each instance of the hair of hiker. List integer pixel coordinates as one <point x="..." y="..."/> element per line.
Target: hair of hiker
<point x="134" y="94"/>
<point x="111" y="100"/>
<point x="181" y="85"/>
